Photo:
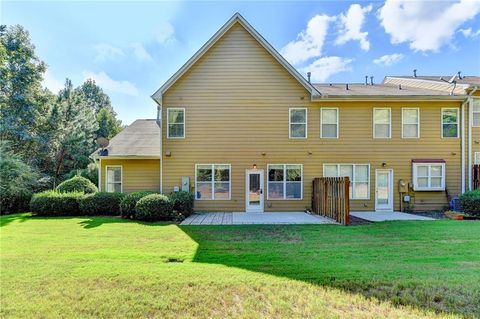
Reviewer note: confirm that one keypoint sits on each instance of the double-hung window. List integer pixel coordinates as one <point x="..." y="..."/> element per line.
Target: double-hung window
<point x="428" y="176"/>
<point x="113" y="179"/>
<point x="450" y="122"/>
<point x="175" y="123"/>
<point x="410" y="122"/>
<point x="476" y="112"/>
<point x="359" y="175"/>
<point x="285" y="181"/>
<point x="212" y="181"/>
<point x="297" y="123"/>
<point x="329" y="122"/>
<point x="382" y="126"/>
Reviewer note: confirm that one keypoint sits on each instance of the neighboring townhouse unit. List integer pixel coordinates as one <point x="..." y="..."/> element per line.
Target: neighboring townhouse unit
<point x="244" y="131"/>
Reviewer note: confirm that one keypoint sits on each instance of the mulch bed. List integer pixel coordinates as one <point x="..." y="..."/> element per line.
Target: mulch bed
<point x="354" y="221"/>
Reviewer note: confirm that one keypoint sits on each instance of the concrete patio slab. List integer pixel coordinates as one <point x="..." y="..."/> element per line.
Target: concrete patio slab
<point x="238" y="218"/>
<point x="386" y="216"/>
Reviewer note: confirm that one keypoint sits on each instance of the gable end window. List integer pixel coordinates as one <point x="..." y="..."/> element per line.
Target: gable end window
<point x="428" y="176"/>
<point x="297" y="122"/>
<point x="382" y="122"/>
<point x="476" y="112"/>
<point x="359" y="175"/>
<point x="449" y="122"/>
<point x="329" y="122"/>
<point x="175" y="123"/>
<point x="114" y="179"/>
<point x="410" y="122"/>
<point x="285" y="181"/>
<point x="212" y="181"/>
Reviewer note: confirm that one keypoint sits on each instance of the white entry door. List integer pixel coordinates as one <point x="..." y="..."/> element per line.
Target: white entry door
<point x="254" y="191"/>
<point x="384" y="190"/>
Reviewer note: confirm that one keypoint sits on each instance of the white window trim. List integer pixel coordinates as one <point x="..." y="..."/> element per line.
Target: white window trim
<point x="389" y="121"/>
<point x="475" y="155"/>
<point x="458" y="121"/>
<point x="474" y="112"/>
<point x="184" y="122"/>
<point x="427" y="189"/>
<point x="284" y="183"/>
<point x="418" y="122"/>
<point x="290" y="123"/>
<point x="337" y="123"/>
<point x="121" y="177"/>
<point x="353" y="174"/>
<point x="213" y="181"/>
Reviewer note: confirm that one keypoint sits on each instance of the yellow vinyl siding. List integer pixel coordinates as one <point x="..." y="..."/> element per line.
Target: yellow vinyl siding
<point x="237" y="99"/>
<point x="138" y="174"/>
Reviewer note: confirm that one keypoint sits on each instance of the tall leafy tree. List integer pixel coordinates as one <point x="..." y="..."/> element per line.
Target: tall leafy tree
<point x="23" y="101"/>
<point x="108" y="125"/>
<point x="72" y="128"/>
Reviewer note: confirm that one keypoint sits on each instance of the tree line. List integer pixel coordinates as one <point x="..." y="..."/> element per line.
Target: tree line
<point x="44" y="137"/>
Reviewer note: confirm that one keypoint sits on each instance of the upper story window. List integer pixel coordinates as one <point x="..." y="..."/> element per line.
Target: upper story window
<point x="285" y="181"/>
<point x="359" y="175"/>
<point x="113" y="179"/>
<point x="410" y="122"/>
<point x="175" y="123"/>
<point x="212" y="181"/>
<point x="428" y="176"/>
<point x="476" y="112"/>
<point x="382" y="126"/>
<point x="297" y="123"/>
<point x="450" y="122"/>
<point x="329" y="122"/>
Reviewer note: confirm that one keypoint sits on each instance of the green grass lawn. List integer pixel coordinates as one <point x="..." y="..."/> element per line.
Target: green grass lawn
<point x="108" y="267"/>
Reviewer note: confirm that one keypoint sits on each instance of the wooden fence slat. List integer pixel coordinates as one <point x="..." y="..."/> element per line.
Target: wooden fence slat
<point x="476" y="176"/>
<point x="331" y="198"/>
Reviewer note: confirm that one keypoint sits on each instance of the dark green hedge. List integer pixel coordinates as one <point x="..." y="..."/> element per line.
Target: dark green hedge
<point x="154" y="207"/>
<point x="470" y="202"/>
<point x="77" y="184"/>
<point x="53" y="203"/>
<point x="182" y="202"/>
<point x="127" y="206"/>
<point x="101" y="203"/>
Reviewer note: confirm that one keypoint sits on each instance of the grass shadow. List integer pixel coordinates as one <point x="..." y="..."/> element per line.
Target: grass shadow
<point x="7" y="219"/>
<point x="392" y="262"/>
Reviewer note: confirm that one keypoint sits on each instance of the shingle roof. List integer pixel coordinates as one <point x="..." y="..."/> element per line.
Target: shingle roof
<point x="139" y="139"/>
<point x="469" y="79"/>
<point x="355" y="89"/>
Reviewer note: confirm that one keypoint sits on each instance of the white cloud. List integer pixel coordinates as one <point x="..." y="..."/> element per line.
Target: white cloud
<point x="140" y="52"/>
<point x="468" y="33"/>
<point x="104" y="52"/>
<point x="425" y="25"/>
<point x="309" y="42"/>
<point x="389" y="59"/>
<point x="51" y="83"/>
<point x="165" y="33"/>
<point x="109" y="84"/>
<point x="325" y="67"/>
<point x="351" y="24"/>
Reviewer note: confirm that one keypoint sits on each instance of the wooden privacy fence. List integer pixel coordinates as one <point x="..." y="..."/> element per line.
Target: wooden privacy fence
<point x="331" y="198"/>
<point x="476" y="176"/>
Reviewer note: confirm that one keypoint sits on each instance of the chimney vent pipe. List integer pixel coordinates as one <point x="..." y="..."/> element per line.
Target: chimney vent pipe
<point x="309" y="75"/>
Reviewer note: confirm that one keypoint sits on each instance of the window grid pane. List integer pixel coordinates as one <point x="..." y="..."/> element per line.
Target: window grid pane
<point x="298" y="123"/>
<point x="176" y="123"/>
<point x="212" y="182"/>
<point x="358" y="174"/>
<point x="285" y="181"/>
<point x="450" y="122"/>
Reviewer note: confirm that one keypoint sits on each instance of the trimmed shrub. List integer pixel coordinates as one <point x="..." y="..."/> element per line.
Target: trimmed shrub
<point x="182" y="202"/>
<point x="127" y="206"/>
<point x="77" y="184"/>
<point x="53" y="203"/>
<point x="470" y="202"/>
<point x="154" y="207"/>
<point x="101" y="203"/>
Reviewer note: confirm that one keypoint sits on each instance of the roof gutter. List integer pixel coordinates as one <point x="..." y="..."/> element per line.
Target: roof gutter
<point x="390" y="97"/>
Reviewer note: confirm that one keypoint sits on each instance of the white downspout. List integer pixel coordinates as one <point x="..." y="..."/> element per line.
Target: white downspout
<point x="159" y="123"/>
<point x="470" y="124"/>
<point x="99" y="174"/>
<point x="463" y="147"/>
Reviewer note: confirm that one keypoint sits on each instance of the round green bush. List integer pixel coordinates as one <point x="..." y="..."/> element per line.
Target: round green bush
<point x="127" y="206"/>
<point x="77" y="184"/>
<point x="101" y="203"/>
<point x="182" y="202"/>
<point x="470" y="202"/>
<point x="154" y="207"/>
<point x="53" y="203"/>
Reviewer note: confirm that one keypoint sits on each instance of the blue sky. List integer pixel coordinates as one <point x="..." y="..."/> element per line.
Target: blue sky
<point x="132" y="48"/>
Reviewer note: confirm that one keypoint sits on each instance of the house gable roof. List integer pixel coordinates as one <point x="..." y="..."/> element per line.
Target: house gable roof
<point x="236" y="18"/>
